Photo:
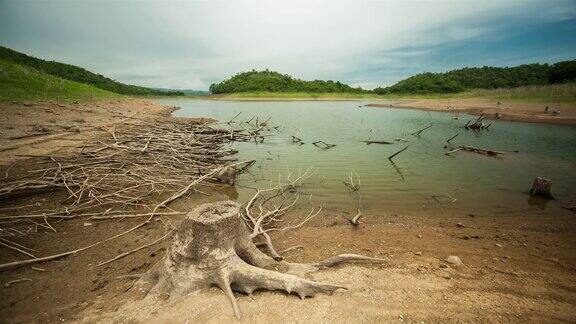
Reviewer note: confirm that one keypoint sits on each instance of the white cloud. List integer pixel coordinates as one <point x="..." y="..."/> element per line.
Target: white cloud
<point x="192" y="44"/>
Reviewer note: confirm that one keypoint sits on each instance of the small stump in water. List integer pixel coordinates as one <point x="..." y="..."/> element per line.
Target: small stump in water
<point x="541" y="187"/>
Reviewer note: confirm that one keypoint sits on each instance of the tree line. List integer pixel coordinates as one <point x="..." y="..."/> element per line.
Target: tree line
<point x="270" y="81"/>
<point x="78" y="74"/>
<point x="486" y="77"/>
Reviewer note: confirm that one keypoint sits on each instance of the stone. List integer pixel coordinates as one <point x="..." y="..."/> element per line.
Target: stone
<point x="454" y="260"/>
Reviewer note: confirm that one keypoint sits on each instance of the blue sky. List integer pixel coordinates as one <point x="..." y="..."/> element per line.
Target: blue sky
<point x="190" y="44"/>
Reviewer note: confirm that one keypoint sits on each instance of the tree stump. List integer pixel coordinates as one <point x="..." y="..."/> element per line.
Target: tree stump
<point x="212" y="247"/>
<point x="541" y="187"/>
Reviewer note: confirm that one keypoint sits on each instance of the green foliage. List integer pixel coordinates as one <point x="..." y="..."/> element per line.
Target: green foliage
<point x="78" y="74"/>
<point x="264" y="95"/>
<point x="484" y="78"/>
<point x="563" y="72"/>
<point x="270" y="81"/>
<point x="22" y="83"/>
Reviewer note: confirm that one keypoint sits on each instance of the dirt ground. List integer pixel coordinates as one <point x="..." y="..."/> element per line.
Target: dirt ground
<point x="506" y="110"/>
<point x="515" y="269"/>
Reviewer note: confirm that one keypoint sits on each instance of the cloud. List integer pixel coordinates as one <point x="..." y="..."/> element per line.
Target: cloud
<point x="192" y="44"/>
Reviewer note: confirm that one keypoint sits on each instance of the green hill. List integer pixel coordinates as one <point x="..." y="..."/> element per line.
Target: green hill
<point x="78" y="74"/>
<point x="270" y="81"/>
<point x="21" y="83"/>
<point x="484" y="78"/>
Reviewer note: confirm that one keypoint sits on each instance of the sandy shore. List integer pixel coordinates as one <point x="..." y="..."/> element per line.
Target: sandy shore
<point x="514" y="268"/>
<point x="525" y="111"/>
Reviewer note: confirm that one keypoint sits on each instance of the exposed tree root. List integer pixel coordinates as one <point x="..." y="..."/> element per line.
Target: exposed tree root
<point x="213" y="248"/>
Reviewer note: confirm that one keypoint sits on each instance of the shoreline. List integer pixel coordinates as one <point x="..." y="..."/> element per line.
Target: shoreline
<point x="519" y="111"/>
<point x="510" y="272"/>
<point x="509" y="110"/>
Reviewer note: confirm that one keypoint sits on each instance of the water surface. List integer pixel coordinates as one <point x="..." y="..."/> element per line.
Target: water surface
<point x="483" y="186"/>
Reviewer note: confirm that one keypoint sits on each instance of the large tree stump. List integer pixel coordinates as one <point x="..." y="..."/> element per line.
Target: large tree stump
<point x="213" y="248"/>
<point x="541" y="187"/>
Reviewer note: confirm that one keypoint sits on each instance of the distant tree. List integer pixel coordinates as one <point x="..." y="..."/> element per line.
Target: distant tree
<point x="483" y="78"/>
<point x="271" y="81"/>
<point x="563" y="72"/>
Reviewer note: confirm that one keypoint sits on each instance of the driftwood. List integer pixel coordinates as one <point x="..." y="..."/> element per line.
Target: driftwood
<point x="478" y="124"/>
<point x="541" y="187"/>
<point x="323" y="145"/>
<point x="475" y="150"/>
<point x="453" y="137"/>
<point x="354" y="188"/>
<point x="368" y="142"/>
<point x="393" y="155"/>
<point x="213" y="247"/>
<point x="418" y="132"/>
<point x="297" y="140"/>
<point x="120" y="176"/>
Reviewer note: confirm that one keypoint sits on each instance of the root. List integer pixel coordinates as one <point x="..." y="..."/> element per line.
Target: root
<point x="213" y="247"/>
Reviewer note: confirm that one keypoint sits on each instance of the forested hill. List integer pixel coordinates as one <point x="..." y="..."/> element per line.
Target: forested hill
<point x="78" y="74"/>
<point x="270" y="81"/>
<point x="485" y="78"/>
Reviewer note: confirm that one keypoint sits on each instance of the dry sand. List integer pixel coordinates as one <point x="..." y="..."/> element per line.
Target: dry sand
<point x="515" y="269"/>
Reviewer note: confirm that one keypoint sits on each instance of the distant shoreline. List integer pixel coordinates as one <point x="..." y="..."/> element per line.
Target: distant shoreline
<point x="511" y="110"/>
<point x="291" y="96"/>
<point x="526" y="104"/>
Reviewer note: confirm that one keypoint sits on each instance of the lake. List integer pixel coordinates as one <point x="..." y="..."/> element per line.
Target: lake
<point x="477" y="184"/>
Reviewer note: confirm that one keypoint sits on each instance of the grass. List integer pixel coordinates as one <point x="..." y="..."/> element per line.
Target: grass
<point x="19" y="84"/>
<point x="565" y="92"/>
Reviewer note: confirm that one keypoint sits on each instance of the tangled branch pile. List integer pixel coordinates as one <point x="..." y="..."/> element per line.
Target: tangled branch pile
<point x="121" y="175"/>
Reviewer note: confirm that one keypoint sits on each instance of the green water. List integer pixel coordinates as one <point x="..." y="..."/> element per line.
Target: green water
<point x="483" y="186"/>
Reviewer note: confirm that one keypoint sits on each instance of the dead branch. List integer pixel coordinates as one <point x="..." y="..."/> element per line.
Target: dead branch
<point x="368" y="142"/>
<point x="11" y="282"/>
<point x="354" y="187"/>
<point x="453" y="137"/>
<point x="120" y="256"/>
<point x="323" y="145"/>
<point x="418" y="132"/>
<point x="480" y="150"/>
<point x="393" y="155"/>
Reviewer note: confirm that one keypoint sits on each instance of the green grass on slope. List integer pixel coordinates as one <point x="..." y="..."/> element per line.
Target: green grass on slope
<point x="565" y="92"/>
<point x="19" y="83"/>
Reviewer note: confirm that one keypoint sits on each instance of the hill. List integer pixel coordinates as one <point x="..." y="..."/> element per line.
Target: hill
<point x="270" y="81"/>
<point x="484" y="78"/>
<point x="78" y="74"/>
<point x="23" y="83"/>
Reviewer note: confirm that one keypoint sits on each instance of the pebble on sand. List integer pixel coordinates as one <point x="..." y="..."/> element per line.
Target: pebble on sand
<point x="454" y="260"/>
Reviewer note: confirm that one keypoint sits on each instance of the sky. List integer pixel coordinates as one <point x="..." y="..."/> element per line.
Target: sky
<point x="191" y="44"/>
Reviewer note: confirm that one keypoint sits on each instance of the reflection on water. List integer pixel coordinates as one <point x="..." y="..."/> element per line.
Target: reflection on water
<point x="481" y="185"/>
